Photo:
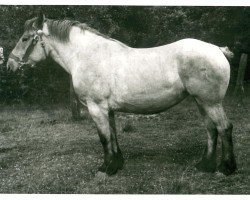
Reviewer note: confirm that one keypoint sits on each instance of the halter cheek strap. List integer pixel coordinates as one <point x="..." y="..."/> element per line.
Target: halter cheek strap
<point x="13" y="57"/>
<point x="30" y="48"/>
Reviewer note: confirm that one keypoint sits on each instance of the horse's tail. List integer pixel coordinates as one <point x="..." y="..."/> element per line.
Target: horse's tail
<point x="229" y="54"/>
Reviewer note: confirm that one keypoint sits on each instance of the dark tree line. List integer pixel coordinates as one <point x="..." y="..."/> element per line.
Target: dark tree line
<point x="135" y="26"/>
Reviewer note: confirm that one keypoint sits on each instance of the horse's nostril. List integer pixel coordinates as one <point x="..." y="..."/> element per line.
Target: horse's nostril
<point x="11" y="65"/>
<point x="8" y="65"/>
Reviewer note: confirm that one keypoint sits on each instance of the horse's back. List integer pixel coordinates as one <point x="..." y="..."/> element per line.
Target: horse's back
<point x="153" y="79"/>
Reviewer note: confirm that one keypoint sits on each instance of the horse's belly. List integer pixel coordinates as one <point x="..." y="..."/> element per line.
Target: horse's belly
<point x="149" y="103"/>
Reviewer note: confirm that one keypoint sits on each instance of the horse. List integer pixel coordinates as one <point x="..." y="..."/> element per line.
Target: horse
<point x="109" y="76"/>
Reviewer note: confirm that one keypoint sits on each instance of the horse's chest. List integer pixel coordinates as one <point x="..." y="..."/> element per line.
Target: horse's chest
<point x="90" y="85"/>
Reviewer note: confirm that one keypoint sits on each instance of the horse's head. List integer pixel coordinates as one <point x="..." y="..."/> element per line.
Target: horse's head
<point x="30" y="48"/>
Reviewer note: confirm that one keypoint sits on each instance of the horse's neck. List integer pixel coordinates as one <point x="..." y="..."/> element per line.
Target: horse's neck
<point x="81" y="45"/>
<point x="63" y="55"/>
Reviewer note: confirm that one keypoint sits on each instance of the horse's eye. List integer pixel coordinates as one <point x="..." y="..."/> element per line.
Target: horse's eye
<point x="25" y="39"/>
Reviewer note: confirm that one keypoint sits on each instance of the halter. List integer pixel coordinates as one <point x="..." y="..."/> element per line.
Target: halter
<point x="30" y="48"/>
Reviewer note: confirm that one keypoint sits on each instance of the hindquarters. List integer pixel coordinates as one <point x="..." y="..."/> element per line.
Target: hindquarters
<point x="205" y="73"/>
<point x="204" y="70"/>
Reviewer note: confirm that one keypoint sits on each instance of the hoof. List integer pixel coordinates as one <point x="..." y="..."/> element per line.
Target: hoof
<point x="110" y="168"/>
<point x="206" y="166"/>
<point x="227" y="167"/>
<point x="116" y="163"/>
<point x="102" y="168"/>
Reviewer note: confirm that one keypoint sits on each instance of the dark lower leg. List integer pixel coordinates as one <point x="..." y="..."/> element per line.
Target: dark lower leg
<point x="228" y="163"/>
<point x="112" y="163"/>
<point x="208" y="162"/>
<point x="218" y="116"/>
<point x="109" y="165"/>
<point x="101" y="116"/>
<point x="113" y="159"/>
<point x="114" y="141"/>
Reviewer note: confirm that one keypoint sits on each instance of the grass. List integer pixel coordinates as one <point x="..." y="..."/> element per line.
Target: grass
<point x="43" y="151"/>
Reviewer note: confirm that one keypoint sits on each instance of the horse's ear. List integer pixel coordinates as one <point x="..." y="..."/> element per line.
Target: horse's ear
<point x="40" y="20"/>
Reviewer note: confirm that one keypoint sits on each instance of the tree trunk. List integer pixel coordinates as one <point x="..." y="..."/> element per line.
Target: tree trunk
<point x="239" y="89"/>
<point x="74" y="102"/>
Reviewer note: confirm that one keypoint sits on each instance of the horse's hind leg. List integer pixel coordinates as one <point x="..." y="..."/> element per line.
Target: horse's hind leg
<point x="216" y="116"/>
<point x="208" y="161"/>
<point x="104" y="120"/>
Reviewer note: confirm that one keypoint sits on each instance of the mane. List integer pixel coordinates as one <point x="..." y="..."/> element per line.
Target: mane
<point x="60" y="29"/>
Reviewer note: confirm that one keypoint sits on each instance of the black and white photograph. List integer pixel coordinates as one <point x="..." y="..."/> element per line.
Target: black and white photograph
<point x="124" y="99"/>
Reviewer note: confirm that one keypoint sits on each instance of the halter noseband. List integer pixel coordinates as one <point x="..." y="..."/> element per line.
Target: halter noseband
<point x="30" y="48"/>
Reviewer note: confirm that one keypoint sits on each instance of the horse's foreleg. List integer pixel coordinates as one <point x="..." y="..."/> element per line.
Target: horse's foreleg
<point x="224" y="127"/>
<point x="104" y="121"/>
<point x="74" y="102"/>
<point x="119" y="156"/>
<point x="208" y="161"/>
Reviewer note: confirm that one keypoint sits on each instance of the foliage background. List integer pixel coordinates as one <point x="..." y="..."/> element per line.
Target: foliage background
<point x="135" y="26"/>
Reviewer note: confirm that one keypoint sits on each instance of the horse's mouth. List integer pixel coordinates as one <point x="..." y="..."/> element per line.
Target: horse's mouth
<point x="14" y="66"/>
<point x="28" y="63"/>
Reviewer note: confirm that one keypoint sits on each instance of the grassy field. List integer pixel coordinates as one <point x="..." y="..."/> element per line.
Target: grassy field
<point x="43" y="151"/>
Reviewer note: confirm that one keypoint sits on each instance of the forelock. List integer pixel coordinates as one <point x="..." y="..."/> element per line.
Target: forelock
<point x="29" y="24"/>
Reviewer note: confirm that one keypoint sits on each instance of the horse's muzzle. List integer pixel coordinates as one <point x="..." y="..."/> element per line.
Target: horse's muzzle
<point x="12" y="65"/>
